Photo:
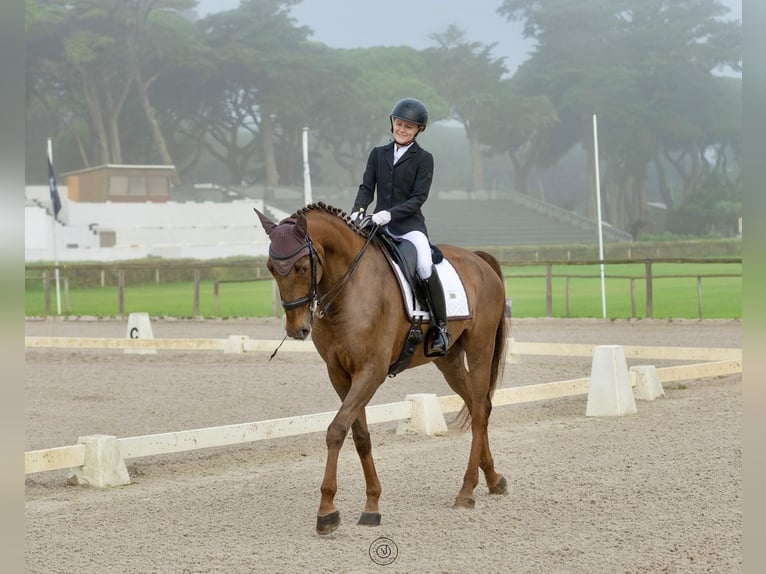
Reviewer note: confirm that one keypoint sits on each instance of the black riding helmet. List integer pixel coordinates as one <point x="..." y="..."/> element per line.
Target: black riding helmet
<point x="410" y="110"/>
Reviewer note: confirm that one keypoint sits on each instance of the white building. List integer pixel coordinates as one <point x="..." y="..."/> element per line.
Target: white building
<point x="114" y="231"/>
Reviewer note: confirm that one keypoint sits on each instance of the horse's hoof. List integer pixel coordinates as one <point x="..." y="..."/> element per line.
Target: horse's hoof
<point x="500" y="488"/>
<point x="369" y="519"/>
<point x="328" y="523"/>
<point x="464" y="502"/>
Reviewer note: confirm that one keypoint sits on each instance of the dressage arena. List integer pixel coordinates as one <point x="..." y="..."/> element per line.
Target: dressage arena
<point x="655" y="491"/>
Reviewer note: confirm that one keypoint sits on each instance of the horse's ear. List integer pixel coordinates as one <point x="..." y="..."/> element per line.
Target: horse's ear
<point x="267" y="224"/>
<point x="300" y="229"/>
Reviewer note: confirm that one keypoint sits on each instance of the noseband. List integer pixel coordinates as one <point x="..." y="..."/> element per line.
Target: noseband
<point x="313" y="298"/>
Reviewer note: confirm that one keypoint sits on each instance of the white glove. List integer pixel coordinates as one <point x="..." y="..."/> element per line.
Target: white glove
<point x="356" y="215"/>
<point x="381" y="217"/>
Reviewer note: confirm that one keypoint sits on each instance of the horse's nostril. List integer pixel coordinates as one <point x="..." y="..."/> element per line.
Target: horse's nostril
<point x="301" y="334"/>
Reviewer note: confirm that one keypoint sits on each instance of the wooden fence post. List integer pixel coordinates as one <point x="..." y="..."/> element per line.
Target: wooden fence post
<point x="632" y="298"/>
<point x="67" y="304"/>
<point x="47" y="288"/>
<point x="548" y="291"/>
<point x="196" y="292"/>
<point x="121" y="290"/>
<point x="215" y="299"/>
<point x="649" y="294"/>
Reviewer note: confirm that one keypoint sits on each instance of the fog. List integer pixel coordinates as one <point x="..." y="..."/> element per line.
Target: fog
<point x="358" y="24"/>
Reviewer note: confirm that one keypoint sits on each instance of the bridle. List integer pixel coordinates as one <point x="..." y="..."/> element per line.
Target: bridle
<point x="313" y="298"/>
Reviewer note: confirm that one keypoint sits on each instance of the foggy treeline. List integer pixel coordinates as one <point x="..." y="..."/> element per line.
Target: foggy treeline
<point x="148" y="82"/>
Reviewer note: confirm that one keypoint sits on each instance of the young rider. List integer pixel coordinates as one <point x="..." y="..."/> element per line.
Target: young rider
<point x="401" y="173"/>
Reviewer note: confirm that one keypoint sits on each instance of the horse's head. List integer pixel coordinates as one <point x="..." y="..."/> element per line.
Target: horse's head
<point x="294" y="263"/>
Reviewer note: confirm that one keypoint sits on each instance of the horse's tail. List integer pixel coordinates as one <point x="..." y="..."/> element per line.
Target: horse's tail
<point x="498" y="358"/>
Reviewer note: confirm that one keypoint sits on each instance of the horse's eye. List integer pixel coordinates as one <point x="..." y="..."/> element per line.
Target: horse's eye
<point x="302" y="269"/>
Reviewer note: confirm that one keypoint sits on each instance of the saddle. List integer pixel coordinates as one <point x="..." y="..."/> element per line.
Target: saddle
<point x="404" y="254"/>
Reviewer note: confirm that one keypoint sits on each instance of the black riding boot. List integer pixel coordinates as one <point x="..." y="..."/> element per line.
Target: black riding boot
<point x="437" y="338"/>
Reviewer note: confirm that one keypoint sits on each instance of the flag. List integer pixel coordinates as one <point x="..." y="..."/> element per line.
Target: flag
<point x="55" y="199"/>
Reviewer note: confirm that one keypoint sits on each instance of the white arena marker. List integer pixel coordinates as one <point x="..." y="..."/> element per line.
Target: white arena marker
<point x="235" y="344"/>
<point x="648" y="385"/>
<point x="609" y="393"/>
<point x="139" y="327"/>
<point x="427" y="418"/>
<point x="104" y="465"/>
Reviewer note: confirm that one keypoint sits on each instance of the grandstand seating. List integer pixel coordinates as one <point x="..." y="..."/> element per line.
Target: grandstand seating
<point x="514" y="220"/>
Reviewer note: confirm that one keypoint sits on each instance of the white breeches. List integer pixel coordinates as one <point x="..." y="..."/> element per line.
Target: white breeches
<point x="423" y="248"/>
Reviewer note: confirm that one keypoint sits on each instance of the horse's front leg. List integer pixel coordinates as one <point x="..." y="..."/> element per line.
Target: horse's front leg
<point x="371" y="514"/>
<point x="350" y="413"/>
<point x="328" y="517"/>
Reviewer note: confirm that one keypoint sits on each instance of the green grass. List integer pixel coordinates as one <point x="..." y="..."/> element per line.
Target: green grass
<point x="674" y="297"/>
<point x="250" y="299"/>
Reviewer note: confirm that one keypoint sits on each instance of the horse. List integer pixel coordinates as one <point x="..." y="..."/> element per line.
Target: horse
<point x="337" y="285"/>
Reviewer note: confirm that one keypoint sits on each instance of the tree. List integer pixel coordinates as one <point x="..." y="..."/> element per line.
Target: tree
<point x="364" y="85"/>
<point x="520" y="126"/>
<point x="467" y="77"/>
<point x="645" y="68"/>
<point x="76" y="67"/>
<point x="92" y="59"/>
<point x="255" y="50"/>
<point x="151" y="41"/>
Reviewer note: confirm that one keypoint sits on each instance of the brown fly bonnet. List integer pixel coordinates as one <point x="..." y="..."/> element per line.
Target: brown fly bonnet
<point x="288" y="241"/>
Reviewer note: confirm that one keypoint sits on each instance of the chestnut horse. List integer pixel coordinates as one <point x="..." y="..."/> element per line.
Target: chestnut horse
<point x="338" y="286"/>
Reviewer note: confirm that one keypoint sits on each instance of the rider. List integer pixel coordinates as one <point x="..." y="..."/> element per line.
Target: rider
<point x="402" y="171"/>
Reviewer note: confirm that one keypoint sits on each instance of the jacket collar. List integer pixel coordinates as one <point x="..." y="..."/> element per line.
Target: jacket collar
<point x="414" y="148"/>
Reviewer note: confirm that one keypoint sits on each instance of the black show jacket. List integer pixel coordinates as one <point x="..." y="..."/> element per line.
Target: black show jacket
<point x="401" y="189"/>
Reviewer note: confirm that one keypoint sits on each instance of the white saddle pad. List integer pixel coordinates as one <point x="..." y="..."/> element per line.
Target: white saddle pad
<point x="454" y="293"/>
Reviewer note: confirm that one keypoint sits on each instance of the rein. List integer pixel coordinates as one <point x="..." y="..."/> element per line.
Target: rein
<point x="323" y="302"/>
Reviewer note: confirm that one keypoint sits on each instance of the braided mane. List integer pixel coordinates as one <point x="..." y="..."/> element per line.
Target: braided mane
<point x="336" y="211"/>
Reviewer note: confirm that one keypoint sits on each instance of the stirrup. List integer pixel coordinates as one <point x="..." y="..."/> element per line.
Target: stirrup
<point x="437" y="334"/>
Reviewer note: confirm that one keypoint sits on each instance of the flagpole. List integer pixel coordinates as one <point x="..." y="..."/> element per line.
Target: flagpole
<point x="53" y="224"/>
<point x="306" y="172"/>
<point x="598" y="209"/>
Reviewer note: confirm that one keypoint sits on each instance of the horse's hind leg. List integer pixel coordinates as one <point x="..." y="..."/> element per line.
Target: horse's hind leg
<point x="371" y="514"/>
<point x="496" y="482"/>
<point x="479" y="406"/>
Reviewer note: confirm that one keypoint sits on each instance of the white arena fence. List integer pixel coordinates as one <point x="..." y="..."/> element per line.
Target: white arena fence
<point x="98" y="460"/>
